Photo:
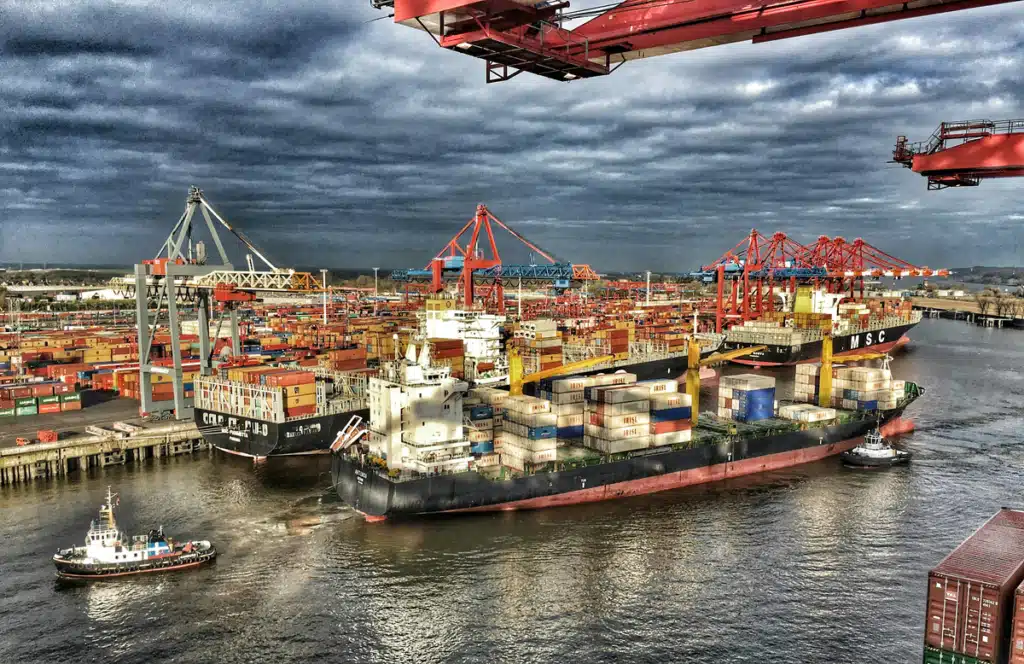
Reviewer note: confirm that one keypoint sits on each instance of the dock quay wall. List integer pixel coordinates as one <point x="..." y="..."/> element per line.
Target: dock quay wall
<point x="40" y="461"/>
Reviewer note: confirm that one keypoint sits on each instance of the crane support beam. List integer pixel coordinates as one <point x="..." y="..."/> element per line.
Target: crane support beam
<point x="962" y="154"/>
<point x="513" y="36"/>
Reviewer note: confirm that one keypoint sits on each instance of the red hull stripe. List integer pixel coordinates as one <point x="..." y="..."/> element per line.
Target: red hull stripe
<point x="877" y="348"/>
<point x="141" y="571"/>
<point x="716" y="473"/>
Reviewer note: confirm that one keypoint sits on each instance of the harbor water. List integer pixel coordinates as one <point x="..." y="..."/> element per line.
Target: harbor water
<point x="815" y="564"/>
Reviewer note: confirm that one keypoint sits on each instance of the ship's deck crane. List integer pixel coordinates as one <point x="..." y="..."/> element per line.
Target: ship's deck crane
<point x="472" y="262"/>
<point x="513" y="36"/>
<point x="962" y="154"/>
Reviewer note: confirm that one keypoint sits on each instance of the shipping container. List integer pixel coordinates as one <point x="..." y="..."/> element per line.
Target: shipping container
<point x="1017" y="627"/>
<point x="970" y="593"/>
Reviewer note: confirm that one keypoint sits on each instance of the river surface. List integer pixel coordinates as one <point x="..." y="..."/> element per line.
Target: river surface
<point x="815" y="564"/>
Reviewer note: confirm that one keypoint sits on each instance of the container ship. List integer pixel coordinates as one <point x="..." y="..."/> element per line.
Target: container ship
<point x="263" y="411"/>
<point x="793" y="336"/>
<point x="436" y="446"/>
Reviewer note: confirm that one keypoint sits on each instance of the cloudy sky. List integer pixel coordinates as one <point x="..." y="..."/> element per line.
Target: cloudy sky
<point x="337" y="142"/>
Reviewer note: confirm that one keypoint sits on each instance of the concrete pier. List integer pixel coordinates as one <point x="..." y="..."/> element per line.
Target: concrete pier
<point x="43" y="461"/>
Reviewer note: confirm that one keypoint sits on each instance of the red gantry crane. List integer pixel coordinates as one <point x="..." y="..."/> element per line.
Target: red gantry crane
<point x="758" y="263"/>
<point x="478" y="260"/>
<point x="513" y="36"/>
<point x="962" y="154"/>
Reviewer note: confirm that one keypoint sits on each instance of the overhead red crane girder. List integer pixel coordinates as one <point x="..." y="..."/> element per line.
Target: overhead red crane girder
<point x="961" y="154"/>
<point x="525" y="35"/>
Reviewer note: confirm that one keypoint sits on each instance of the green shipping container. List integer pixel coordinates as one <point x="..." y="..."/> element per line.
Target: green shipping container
<point x="21" y="411"/>
<point x="51" y="399"/>
<point x="6" y="412"/>
<point x="25" y="401"/>
<point x="936" y="656"/>
<point x="71" y="396"/>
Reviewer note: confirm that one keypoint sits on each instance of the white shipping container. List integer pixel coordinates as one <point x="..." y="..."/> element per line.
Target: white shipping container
<point x="480" y="436"/>
<point x="568" y="408"/>
<point x="606" y="380"/>
<point x="567" y="397"/>
<point x="482" y="425"/>
<point x="617" y="446"/>
<point x="618" y="421"/>
<point x="747" y="382"/>
<point x="573" y="384"/>
<point x="525" y="453"/>
<point x="527" y="405"/>
<point x="661" y="385"/>
<point x="725" y="392"/>
<point x="523" y="443"/>
<point x="616" y="434"/>
<point x="533" y="420"/>
<point x="671" y="438"/>
<point x="570" y="421"/>
<point x="625" y="408"/>
<point x="666" y="401"/>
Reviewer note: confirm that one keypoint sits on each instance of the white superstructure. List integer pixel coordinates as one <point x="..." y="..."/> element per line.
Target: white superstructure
<point x="416" y="422"/>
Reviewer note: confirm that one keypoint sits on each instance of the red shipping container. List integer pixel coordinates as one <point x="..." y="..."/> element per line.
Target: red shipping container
<point x="299" y="411"/>
<point x="42" y="390"/>
<point x="970" y="593"/>
<point x="1017" y="629"/>
<point x="6" y="403"/>
<point x="71" y="405"/>
<point x="291" y="378"/>
<point x="49" y="408"/>
<point x="669" y="427"/>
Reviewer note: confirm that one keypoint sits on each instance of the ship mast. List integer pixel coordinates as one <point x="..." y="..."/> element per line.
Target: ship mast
<point x="108" y="509"/>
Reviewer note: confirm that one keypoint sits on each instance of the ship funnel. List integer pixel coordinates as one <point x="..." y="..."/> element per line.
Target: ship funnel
<point x="410" y="352"/>
<point x="425" y="355"/>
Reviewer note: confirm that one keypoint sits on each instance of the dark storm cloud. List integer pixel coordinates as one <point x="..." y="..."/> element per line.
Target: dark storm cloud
<point x="333" y="141"/>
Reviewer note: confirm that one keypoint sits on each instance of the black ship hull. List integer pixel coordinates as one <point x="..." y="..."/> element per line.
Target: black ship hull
<point x="260" y="439"/>
<point x="371" y="492"/>
<point x="882" y="340"/>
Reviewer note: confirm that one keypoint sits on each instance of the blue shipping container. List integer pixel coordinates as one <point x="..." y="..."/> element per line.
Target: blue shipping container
<point x="540" y="433"/>
<point x="481" y="412"/>
<point x="189" y="386"/>
<point x="570" y="432"/>
<point x="671" y="414"/>
<point x="867" y="405"/>
<point x="482" y="448"/>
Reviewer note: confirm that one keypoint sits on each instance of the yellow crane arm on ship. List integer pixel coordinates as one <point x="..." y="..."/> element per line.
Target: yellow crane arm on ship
<point x="825" y="377"/>
<point x="516" y="379"/>
<point x="694" y="363"/>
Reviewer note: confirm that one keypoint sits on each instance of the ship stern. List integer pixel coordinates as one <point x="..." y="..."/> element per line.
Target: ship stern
<point x="361" y="487"/>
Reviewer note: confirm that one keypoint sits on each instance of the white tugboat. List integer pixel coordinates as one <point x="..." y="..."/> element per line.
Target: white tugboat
<point x="875" y="452"/>
<point x="108" y="552"/>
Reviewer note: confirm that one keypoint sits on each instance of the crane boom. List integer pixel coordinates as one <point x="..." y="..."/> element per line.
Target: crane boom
<point x="514" y="36"/>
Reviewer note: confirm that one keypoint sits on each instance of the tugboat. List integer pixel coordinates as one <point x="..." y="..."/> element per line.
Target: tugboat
<point x="875" y="452"/>
<point x="108" y="552"/>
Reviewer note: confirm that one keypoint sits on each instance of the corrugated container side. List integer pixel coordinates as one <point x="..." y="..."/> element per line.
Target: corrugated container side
<point x="1017" y="627"/>
<point x="970" y="593"/>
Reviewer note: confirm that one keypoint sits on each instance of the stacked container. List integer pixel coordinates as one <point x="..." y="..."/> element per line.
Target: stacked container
<point x="746" y="397"/>
<point x="971" y="594"/>
<point x="670" y="416"/>
<point x="617" y="416"/>
<point x="495" y="398"/>
<point x="805" y="412"/>
<point x="566" y="395"/>
<point x="541" y="345"/>
<point x="449" y="353"/>
<point x="479" y="421"/>
<point x="528" y="434"/>
<point x="853" y="388"/>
